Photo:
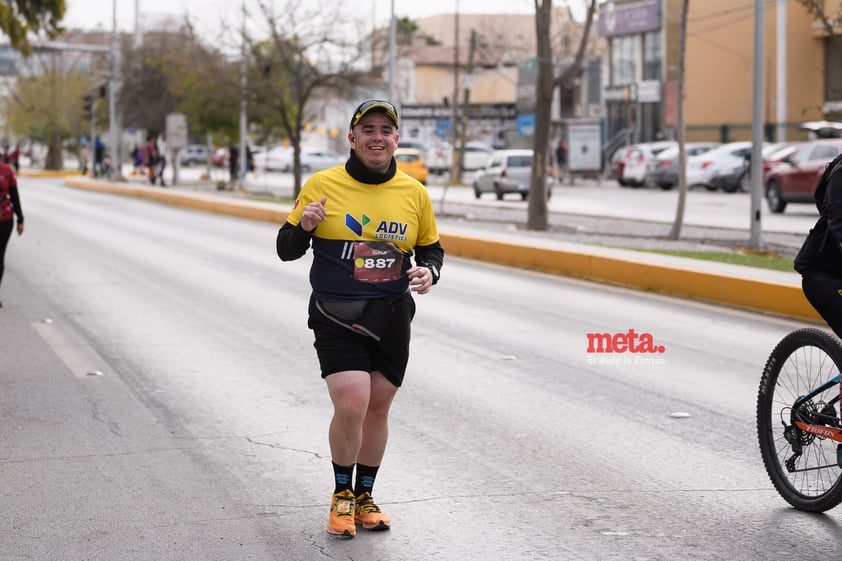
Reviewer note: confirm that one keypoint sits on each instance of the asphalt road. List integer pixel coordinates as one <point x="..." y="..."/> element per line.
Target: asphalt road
<point x="160" y="401"/>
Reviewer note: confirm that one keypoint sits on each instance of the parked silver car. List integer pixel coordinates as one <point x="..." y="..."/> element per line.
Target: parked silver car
<point x="193" y="154"/>
<point x="507" y="171"/>
<point x="663" y="170"/>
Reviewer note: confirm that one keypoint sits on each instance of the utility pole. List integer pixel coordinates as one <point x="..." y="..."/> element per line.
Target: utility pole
<point x="392" y="48"/>
<point x="756" y="237"/>
<point x="242" y="161"/>
<point x="780" y="72"/>
<point x="455" y="170"/>
<point x="114" y="120"/>
<point x="466" y="100"/>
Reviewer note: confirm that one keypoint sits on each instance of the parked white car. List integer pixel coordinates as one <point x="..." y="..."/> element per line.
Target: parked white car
<point x="638" y="158"/>
<point x="279" y="158"/>
<point x="440" y="157"/>
<point x="273" y="159"/>
<point x="507" y="171"/>
<point x="700" y="169"/>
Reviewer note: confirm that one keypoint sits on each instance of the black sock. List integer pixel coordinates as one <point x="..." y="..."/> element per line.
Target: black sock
<point x="342" y="476"/>
<point x="364" y="481"/>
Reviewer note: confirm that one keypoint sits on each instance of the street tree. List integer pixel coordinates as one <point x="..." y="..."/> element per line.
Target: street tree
<point x="547" y="82"/>
<point x="675" y="231"/>
<point x="38" y="113"/>
<point x="19" y="19"/>
<point x="152" y="73"/>
<point x="405" y="29"/>
<point x="313" y="51"/>
<point x="205" y="84"/>
<point x="824" y="11"/>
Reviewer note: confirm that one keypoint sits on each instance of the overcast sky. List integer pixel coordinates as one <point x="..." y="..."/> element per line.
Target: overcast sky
<point x="93" y="14"/>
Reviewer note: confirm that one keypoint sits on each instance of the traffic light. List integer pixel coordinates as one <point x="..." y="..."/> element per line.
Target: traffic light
<point x="88" y="106"/>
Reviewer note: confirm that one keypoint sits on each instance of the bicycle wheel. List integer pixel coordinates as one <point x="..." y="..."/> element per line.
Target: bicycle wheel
<point x="802" y="466"/>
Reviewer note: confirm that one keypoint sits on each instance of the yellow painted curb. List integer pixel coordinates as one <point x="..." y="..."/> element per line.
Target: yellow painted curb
<point x="28" y="172"/>
<point x="764" y="296"/>
<point x="758" y="295"/>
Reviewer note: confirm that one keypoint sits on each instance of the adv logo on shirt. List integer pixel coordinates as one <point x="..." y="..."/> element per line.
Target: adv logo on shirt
<point x="386" y="230"/>
<point x="355" y="225"/>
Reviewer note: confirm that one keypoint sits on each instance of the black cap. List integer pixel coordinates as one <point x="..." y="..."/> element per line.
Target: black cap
<point x="379" y="105"/>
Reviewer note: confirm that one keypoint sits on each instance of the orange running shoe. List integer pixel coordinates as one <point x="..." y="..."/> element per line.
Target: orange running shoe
<point x="369" y="515"/>
<point x="341" y="521"/>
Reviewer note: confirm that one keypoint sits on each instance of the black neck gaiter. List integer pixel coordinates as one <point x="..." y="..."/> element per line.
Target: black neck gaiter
<point x="358" y="171"/>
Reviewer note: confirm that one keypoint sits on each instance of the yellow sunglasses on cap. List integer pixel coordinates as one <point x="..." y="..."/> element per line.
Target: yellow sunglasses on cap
<point x="374" y="105"/>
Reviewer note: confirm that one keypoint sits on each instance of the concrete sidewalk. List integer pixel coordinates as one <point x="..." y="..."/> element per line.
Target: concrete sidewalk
<point x="749" y="288"/>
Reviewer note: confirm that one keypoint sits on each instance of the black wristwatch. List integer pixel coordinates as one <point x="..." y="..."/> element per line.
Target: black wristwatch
<point x="434" y="270"/>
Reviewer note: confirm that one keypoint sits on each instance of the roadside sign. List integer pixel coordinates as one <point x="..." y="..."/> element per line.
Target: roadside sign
<point x="176" y="131"/>
<point x="584" y="147"/>
<point x="526" y="125"/>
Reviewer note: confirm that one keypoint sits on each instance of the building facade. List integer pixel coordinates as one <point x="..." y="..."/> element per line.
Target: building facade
<point x="803" y="76"/>
<point x="486" y="63"/>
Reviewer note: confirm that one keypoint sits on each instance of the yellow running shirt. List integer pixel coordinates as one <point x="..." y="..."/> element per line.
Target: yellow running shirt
<point x="362" y="248"/>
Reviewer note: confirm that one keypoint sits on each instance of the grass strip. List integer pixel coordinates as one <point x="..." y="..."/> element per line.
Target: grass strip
<point x="748" y="259"/>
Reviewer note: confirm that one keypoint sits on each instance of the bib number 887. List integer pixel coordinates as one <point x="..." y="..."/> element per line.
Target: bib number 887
<point x="374" y="263"/>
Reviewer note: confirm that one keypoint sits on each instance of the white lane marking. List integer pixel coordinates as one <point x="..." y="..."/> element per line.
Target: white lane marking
<point x="73" y="356"/>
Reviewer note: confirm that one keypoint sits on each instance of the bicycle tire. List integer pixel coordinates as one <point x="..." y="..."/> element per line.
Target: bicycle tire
<point x="801" y="361"/>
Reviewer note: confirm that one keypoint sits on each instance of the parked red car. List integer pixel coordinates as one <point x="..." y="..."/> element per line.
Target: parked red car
<point x="794" y="179"/>
<point x="618" y="162"/>
<point x="778" y="156"/>
<point x="220" y="158"/>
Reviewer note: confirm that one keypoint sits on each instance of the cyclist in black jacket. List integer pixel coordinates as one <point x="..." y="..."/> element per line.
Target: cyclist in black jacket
<point x="820" y="259"/>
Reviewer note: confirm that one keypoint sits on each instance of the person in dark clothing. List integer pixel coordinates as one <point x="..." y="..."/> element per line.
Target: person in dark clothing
<point x="9" y="210"/>
<point x="150" y="157"/>
<point x="99" y="157"/>
<point x="561" y="157"/>
<point x="820" y="258"/>
<point x="233" y="162"/>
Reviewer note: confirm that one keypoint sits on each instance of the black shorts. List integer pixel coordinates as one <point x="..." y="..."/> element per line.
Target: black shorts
<point x="339" y="349"/>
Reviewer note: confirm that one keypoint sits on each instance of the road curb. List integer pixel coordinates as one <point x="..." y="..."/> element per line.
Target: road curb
<point x="730" y="285"/>
<point x="679" y="277"/>
<point x="48" y="173"/>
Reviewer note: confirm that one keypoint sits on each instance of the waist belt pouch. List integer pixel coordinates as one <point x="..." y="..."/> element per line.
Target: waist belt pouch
<point x="346" y="311"/>
<point x="375" y="319"/>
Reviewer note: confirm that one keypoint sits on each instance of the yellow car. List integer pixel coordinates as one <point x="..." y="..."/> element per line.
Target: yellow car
<point x="411" y="162"/>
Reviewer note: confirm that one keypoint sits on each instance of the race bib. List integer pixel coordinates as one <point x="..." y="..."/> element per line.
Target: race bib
<point x="377" y="262"/>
